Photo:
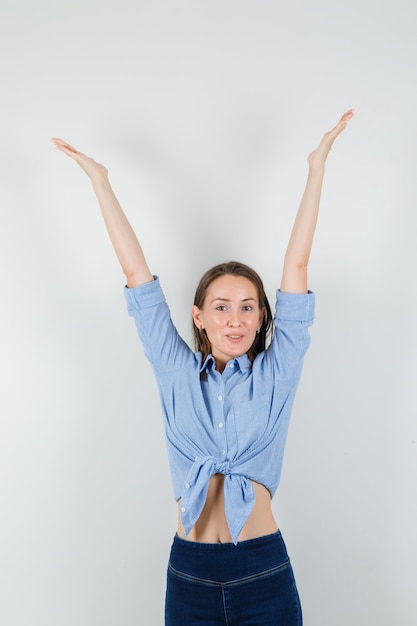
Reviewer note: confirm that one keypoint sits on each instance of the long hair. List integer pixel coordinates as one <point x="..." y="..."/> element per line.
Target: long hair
<point x="233" y="268"/>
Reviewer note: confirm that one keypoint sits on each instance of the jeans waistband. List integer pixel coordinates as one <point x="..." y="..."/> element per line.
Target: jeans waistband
<point x="227" y="561"/>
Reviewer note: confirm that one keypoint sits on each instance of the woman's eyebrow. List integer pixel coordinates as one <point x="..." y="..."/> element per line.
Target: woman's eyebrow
<point x="228" y="300"/>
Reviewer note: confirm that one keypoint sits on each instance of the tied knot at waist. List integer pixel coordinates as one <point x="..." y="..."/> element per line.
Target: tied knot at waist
<point x="221" y="467"/>
<point x="239" y="495"/>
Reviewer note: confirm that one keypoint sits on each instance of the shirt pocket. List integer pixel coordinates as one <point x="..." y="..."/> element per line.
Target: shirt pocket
<point x="251" y="420"/>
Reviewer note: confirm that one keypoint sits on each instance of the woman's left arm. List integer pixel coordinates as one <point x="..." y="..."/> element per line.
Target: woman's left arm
<point x="294" y="276"/>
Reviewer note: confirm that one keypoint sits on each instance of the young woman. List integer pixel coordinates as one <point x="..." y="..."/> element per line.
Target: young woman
<point x="226" y="409"/>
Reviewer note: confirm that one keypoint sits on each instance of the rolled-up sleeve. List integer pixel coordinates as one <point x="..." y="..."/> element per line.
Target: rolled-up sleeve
<point x="144" y="296"/>
<point x="162" y="344"/>
<point x="294" y="314"/>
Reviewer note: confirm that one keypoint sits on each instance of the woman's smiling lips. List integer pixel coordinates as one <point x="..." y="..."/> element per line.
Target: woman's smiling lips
<point x="235" y="338"/>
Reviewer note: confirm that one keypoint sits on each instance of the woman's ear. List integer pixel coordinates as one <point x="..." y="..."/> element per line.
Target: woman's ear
<point x="261" y="316"/>
<point x="197" y="315"/>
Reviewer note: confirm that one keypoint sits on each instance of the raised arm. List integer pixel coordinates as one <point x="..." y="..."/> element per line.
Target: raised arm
<point x="124" y="240"/>
<point x="294" y="276"/>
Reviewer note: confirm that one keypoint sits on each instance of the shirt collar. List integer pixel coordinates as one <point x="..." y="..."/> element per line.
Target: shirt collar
<point x="242" y="361"/>
<point x="208" y="363"/>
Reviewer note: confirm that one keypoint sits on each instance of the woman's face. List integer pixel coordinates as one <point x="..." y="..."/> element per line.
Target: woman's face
<point x="230" y="316"/>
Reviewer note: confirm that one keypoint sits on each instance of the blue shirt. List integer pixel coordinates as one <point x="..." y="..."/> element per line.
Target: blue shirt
<point x="233" y="423"/>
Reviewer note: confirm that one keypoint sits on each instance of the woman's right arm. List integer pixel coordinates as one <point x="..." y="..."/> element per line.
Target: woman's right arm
<point x="125" y="243"/>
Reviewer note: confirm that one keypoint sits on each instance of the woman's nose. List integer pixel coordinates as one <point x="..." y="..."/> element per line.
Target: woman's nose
<point x="234" y="319"/>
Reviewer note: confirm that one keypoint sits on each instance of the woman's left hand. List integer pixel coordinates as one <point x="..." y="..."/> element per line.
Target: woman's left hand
<point x="320" y="154"/>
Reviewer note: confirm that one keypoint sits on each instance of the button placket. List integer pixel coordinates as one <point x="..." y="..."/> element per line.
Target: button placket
<point x="221" y="430"/>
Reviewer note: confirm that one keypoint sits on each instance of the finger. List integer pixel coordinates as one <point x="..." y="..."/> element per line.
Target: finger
<point x="64" y="146"/>
<point x="341" y="125"/>
<point x="346" y="116"/>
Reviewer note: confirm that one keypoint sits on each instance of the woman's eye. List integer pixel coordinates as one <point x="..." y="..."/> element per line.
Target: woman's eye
<point x="248" y="307"/>
<point x="221" y="307"/>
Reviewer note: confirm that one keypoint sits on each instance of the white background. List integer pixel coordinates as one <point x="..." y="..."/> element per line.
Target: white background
<point x="204" y="112"/>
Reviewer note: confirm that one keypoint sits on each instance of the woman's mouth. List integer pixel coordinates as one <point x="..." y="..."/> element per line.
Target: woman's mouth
<point x="234" y="338"/>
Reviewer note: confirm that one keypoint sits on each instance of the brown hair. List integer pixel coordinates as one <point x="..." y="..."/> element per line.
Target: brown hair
<point x="233" y="268"/>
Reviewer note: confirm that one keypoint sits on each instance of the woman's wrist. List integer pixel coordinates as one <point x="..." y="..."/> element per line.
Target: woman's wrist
<point x="100" y="180"/>
<point x="316" y="165"/>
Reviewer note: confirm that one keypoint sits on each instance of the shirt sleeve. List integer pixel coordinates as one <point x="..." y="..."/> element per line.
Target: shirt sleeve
<point x="294" y="314"/>
<point x="162" y="344"/>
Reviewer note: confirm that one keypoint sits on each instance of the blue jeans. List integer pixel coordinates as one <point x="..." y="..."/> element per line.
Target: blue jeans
<point x="220" y="584"/>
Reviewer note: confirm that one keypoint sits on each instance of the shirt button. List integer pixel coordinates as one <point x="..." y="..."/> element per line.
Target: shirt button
<point x="219" y="398"/>
<point x="232" y="365"/>
<point x="183" y="509"/>
<point x="220" y="425"/>
<point x="187" y="486"/>
<point x="223" y="451"/>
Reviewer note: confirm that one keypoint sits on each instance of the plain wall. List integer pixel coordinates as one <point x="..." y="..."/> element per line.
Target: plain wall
<point x="204" y="112"/>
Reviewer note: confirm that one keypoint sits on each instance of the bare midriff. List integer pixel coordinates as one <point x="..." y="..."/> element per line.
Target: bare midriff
<point x="211" y="527"/>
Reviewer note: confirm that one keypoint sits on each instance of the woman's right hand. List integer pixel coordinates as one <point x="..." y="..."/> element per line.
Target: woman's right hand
<point x="124" y="240"/>
<point x="94" y="170"/>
